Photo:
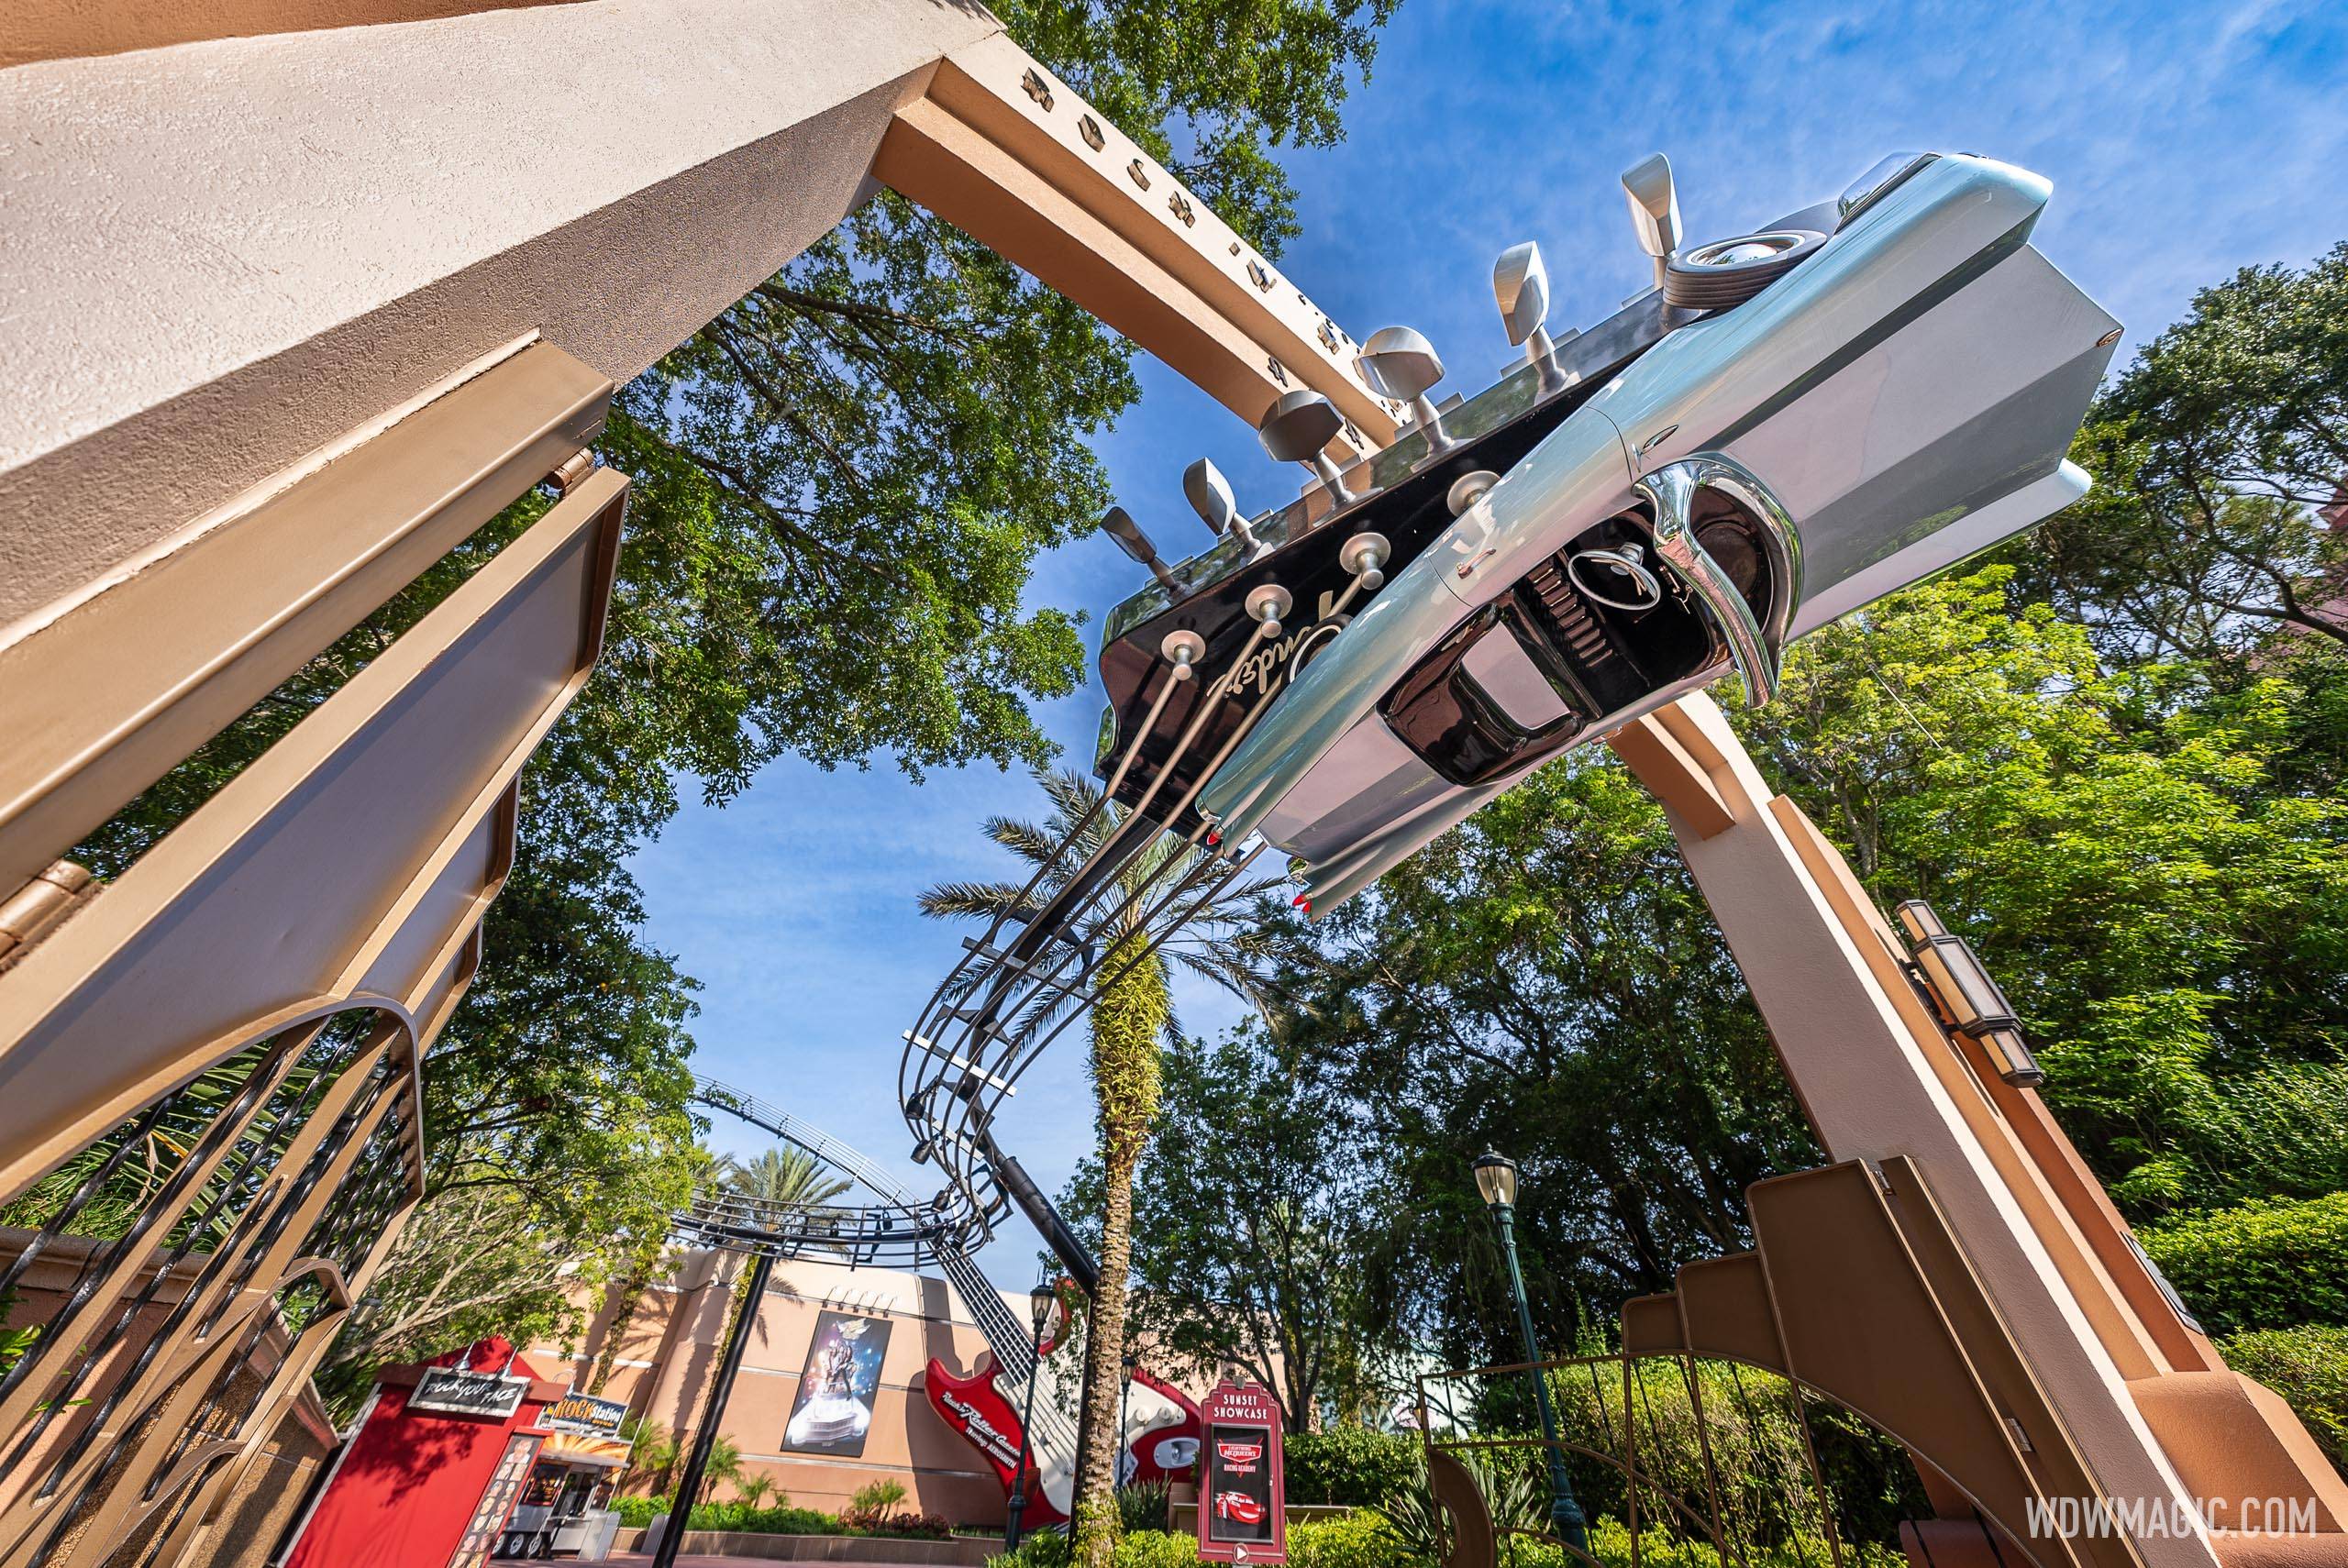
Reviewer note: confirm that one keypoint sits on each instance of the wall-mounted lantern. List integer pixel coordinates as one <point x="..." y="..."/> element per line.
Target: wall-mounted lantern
<point x="1969" y="999"/>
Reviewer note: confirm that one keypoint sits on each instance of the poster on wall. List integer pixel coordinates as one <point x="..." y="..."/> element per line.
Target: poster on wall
<point x="837" y="1386"/>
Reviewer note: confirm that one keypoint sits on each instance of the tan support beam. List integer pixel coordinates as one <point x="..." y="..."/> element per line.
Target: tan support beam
<point x="1682" y="768"/>
<point x="1006" y="153"/>
<point x="609" y="176"/>
<point x="74" y="29"/>
<point x="114" y="689"/>
<point x="1875" y="1092"/>
<point x="349" y="864"/>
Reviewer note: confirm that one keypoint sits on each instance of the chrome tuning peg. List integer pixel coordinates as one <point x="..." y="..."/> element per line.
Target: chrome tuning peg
<point x="1118" y="525"/>
<point x="1365" y="555"/>
<point x="1521" y="287"/>
<point x="1209" y="494"/>
<point x="1399" y="362"/>
<point x="1269" y="604"/>
<point x="1295" y="429"/>
<point x="1654" y="208"/>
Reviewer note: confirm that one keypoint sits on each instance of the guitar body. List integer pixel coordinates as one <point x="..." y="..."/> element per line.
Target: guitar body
<point x="1161" y="1436"/>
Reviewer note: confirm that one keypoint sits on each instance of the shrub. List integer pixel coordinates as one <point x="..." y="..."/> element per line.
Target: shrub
<point x="1140" y="1549"/>
<point x="2266" y="1263"/>
<point x="1142" y="1505"/>
<point x="1349" y="1465"/>
<point x="1610" y="1544"/>
<point x="1157" y="1549"/>
<point x="2309" y="1367"/>
<point x="638" y="1512"/>
<point x="1045" y="1548"/>
<point x="1361" y="1540"/>
<point x="751" y="1519"/>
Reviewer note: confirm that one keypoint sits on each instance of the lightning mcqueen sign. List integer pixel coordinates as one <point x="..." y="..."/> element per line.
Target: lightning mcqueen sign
<point x="1243" y="1517"/>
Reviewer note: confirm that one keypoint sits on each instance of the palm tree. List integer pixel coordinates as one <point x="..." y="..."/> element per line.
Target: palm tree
<point x="651" y="1449"/>
<point x="1131" y="1013"/>
<point x="783" y="1179"/>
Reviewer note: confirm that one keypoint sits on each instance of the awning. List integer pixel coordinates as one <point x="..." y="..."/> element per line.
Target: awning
<point x="579" y="1448"/>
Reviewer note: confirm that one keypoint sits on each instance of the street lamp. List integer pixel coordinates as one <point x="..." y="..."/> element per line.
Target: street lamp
<point x="1496" y="1180"/>
<point x="1125" y="1398"/>
<point x="1040" y="1301"/>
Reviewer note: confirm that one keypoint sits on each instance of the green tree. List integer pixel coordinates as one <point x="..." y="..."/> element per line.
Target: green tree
<point x="1543" y="980"/>
<point x="843" y="479"/>
<point x="2167" y="920"/>
<point x="783" y="1179"/>
<point x="1131" y="1012"/>
<point x="2209" y="453"/>
<point x="1249" y="1222"/>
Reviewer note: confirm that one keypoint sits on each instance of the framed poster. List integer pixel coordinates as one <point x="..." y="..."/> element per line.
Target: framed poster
<point x="1243" y="1492"/>
<point x="837" y="1386"/>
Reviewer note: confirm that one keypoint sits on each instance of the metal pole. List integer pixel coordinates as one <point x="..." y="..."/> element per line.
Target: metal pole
<point x="761" y="1266"/>
<point x="1565" y="1522"/>
<point x="1018" y="1504"/>
<point x="1125" y="1398"/>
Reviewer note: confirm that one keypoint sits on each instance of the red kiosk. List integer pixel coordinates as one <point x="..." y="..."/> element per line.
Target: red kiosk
<point x="444" y="1453"/>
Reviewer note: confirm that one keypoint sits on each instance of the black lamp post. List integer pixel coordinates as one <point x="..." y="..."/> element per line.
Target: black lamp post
<point x="1039" y="1310"/>
<point x="1496" y="1180"/>
<point x="729" y="1367"/>
<point x="1125" y="1398"/>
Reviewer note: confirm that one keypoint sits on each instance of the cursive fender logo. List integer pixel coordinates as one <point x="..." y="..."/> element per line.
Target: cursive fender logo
<point x="1267" y="668"/>
<point x="978" y="1429"/>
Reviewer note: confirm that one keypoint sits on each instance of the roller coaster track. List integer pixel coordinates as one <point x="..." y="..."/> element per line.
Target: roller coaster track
<point x="1115" y="887"/>
<point x="891" y="1229"/>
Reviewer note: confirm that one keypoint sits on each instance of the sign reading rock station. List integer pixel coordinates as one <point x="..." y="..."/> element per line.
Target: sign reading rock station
<point x="1243" y="1492"/>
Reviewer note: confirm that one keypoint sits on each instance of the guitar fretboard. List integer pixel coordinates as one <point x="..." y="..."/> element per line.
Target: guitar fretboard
<point x="1050" y="1432"/>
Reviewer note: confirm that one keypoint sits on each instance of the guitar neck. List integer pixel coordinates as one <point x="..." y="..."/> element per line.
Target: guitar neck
<point x="1014" y="1350"/>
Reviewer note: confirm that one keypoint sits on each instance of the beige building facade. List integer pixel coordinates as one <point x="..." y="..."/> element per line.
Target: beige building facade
<point x="663" y="1352"/>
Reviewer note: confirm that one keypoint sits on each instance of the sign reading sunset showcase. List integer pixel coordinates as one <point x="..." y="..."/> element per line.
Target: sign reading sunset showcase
<point x="1243" y="1491"/>
<point x="837" y="1386"/>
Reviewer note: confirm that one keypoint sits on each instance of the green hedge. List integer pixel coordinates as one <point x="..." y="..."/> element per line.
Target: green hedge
<point x="1136" y="1548"/>
<point x="2309" y="1367"/>
<point x="1359" y="1539"/>
<point x="1349" y="1465"/>
<point x="773" y="1520"/>
<point x="2265" y="1264"/>
<point x="781" y="1520"/>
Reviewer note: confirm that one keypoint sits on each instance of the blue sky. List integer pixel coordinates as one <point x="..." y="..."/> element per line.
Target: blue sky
<point x="2184" y="141"/>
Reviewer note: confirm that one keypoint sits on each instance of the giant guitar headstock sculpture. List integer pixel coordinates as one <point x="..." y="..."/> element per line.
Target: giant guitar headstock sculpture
<point x="1783" y="427"/>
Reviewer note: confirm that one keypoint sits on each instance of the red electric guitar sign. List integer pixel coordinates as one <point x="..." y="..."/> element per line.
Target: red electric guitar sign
<point x="1161" y="1436"/>
<point x="1243" y="1492"/>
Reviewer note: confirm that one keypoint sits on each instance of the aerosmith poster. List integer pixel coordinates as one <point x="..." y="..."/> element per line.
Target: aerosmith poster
<point x="837" y="1386"/>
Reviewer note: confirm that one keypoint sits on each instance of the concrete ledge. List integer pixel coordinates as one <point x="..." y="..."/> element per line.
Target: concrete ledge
<point x="956" y="1551"/>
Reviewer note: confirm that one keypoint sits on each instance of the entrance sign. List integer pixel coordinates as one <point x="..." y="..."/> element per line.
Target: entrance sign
<point x="1243" y="1492"/>
<point x="455" y="1391"/>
